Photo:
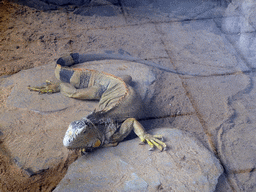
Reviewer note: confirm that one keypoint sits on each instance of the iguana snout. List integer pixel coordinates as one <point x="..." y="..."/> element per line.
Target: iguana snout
<point x="82" y="134"/>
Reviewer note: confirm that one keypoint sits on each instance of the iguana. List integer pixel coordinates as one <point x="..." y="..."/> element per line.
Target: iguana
<point x="112" y="120"/>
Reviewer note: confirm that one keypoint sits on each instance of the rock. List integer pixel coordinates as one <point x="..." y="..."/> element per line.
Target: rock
<point x="236" y="139"/>
<point x="240" y="25"/>
<point x="199" y="48"/>
<point x="239" y="17"/>
<point x="168" y="11"/>
<point x="186" y="166"/>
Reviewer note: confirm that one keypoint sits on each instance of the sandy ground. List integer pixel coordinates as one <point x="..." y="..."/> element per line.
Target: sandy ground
<point x="13" y="179"/>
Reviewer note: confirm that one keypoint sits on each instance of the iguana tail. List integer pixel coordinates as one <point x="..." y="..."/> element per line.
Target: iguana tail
<point x="69" y="60"/>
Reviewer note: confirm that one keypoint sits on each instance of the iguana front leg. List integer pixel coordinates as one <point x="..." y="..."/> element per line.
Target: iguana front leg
<point x="89" y="93"/>
<point x="69" y="90"/>
<point x="48" y="88"/>
<point x="132" y="124"/>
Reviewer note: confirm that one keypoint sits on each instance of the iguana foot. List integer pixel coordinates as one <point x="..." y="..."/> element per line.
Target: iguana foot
<point x="153" y="141"/>
<point x="48" y="88"/>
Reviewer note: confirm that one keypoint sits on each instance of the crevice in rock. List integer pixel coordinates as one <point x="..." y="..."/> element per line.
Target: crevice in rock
<point x="236" y="49"/>
<point x="122" y="10"/>
<point x="227" y="125"/>
<point x="15" y="179"/>
<point x="211" y="144"/>
<point x="201" y="120"/>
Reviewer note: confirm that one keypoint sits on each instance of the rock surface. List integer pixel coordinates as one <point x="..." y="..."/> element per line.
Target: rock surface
<point x="186" y="166"/>
<point x="240" y="26"/>
<point x="207" y="54"/>
<point x="236" y="138"/>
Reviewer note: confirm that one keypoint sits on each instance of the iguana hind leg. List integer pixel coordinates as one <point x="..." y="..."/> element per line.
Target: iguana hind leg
<point x="132" y="124"/>
<point x="50" y="87"/>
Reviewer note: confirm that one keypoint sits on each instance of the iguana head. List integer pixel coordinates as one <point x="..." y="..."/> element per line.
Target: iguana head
<point x="82" y="134"/>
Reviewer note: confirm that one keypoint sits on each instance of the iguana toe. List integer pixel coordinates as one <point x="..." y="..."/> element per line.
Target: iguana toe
<point x="150" y="144"/>
<point x="159" y="137"/>
<point x="153" y="141"/>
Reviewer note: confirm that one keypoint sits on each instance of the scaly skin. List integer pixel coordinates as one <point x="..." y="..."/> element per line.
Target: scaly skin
<point x="112" y="120"/>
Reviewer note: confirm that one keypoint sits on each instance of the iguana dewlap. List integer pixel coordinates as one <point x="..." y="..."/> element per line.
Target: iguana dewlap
<point x="112" y="120"/>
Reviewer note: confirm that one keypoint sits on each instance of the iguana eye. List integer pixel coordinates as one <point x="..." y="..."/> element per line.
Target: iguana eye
<point x="78" y="124"/>
<point x="84" y="131"/>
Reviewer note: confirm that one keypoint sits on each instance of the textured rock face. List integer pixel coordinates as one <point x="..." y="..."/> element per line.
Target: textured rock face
<point x="241" y="15"/>
<point x="186" y="166"/>
<point x="240" y="24"/>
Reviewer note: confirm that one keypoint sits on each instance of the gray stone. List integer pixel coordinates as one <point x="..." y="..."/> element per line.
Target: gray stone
<point x="186" y="166"/>
<point x="240" y="26"/>
<point x="237" y="141"/>
<point x="139" y="12"/>
<point x="211" y="96"/>
<point x="239" y="17"/>
<point x="245" y="45"/>
<point x="198" y="48"/>
<point x="225" y="105"/>
<point x="167" y="96"/>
